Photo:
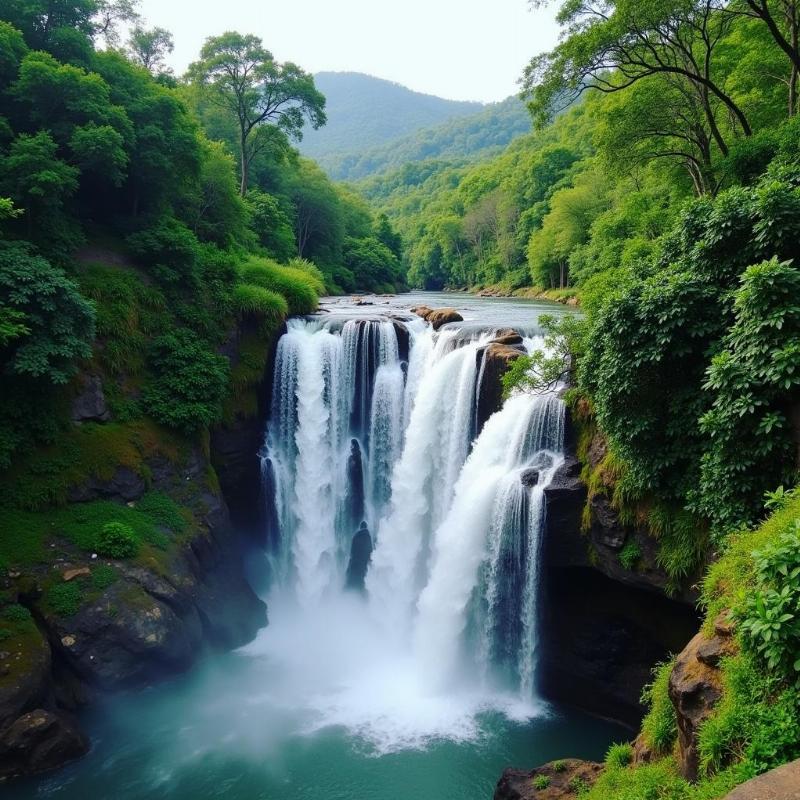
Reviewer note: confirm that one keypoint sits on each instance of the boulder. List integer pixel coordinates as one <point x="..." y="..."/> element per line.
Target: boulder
<point x="695" y="687"/>
<point x="553" y="781"/>
<point x="782" y="783"/>
<point x="529" y="478"/>
<point x="38" y="741"/>
<point x="442" y="316"/>
<point x="437" y="316"/>
<point x="507" y="336"/>
<point x="89" y="405"/>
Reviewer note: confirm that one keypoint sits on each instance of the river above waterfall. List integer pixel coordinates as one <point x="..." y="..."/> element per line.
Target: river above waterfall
<point x="419" y="680"/>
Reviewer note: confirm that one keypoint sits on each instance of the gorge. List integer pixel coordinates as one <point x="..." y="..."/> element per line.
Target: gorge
<point x="440" y="658"/>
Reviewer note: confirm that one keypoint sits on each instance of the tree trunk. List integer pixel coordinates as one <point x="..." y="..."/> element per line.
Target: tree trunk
<point x="245" y="166"/>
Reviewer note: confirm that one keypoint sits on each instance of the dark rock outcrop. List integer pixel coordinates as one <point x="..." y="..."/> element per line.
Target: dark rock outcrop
<point x="89" y="405"/>
<point x="360" y="556"/>
<point x="354" y="499"/>
<point x="553" y="781"/>
<point x="38" y="741"/>
<point x="124" y="485"/>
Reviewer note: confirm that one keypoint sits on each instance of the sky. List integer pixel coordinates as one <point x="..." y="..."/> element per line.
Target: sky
<point x="458" y="49"/>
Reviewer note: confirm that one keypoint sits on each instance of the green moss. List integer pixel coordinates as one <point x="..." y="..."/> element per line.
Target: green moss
<point x="103" y="576"/>
<point x="64" y="599"/>
<point x="247" y="376"/>
<point x="155" y="520"/>
<point x="45" y="476"/>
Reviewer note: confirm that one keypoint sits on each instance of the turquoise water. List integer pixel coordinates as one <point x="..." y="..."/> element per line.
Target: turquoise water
<point x="278" y="720"/>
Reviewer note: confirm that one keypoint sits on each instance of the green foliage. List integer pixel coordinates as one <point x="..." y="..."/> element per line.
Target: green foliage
<point x="750" y="379"/>
<point x="659" y="726"/>
<point x="630" y="554"/>
<point x="65" y="599"/>
<point x="559" y="765"/>
<point x="103" y="576"/>
<point x="296" y="285"/>
<point x="619" y="756"/>
<point x="541" y="782"/>
<point x="117" y="540"/>
<point x="168" y="249"/>
<point x="770" y="616"/>
<point x="16" y="613"/>
<point x="189" y="382"/>
<point x="59" y="322"/>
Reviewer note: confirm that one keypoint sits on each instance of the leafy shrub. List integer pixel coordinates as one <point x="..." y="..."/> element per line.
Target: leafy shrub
<point x="117" y="540"/>
<point x="65" y="598"/>
<point x="59" y="322"/>
<point x="189" y="384"/>
<point x="770" y="616"/>
<point x="560" y="765"/>
<point x="541" y="782"/>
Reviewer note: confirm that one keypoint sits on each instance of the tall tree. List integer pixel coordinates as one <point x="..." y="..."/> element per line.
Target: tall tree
<point x="242" y="77"/>
<point x="150" y="46"/>
<point x="632" y="40"/>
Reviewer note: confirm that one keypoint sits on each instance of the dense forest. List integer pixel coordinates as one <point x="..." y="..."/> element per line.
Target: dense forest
<point x="151" y="212"/>
<point x="156" y="230"/>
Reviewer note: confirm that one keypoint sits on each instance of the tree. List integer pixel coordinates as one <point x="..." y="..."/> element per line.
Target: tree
<point x="150" y="46"/>
<point x="615" y="43"/>
<point x="52" y="323"/>
<point x="243" y="77"/>
<point x="110" y="14"/>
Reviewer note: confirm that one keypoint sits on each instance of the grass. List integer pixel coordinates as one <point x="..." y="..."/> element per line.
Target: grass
<point x="27" y="533"/>
<point x="660" y="725"/>
<point x="298" y="286"/>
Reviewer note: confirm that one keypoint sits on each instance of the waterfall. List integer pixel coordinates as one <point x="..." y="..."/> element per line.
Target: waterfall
<point x="359" y="440"/>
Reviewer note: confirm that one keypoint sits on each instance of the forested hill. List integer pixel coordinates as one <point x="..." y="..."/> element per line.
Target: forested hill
<point x="365" y="112"/>
<point x="462" y="139"/>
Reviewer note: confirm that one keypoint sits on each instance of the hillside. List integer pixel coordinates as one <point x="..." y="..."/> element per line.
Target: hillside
<point x="365" y="112"/>
<point x="473" y="137"/>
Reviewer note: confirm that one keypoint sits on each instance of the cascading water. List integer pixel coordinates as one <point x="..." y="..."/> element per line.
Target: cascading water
<point x="358" y="437"/>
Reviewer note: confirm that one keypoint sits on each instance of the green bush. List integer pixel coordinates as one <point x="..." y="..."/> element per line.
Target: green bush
<point x="189" y="384"/>
<point x="541" y="782"/>
<point x="169" y="250"/>
<point x="256" y="301"/>
<point x="630" y="554"/>
<point x="65" y="598"/>
<point x="117" y="540"/>
<point x="770" y="616"/>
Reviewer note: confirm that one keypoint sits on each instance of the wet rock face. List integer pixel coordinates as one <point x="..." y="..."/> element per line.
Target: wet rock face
<point x="360" y="556"/>
<point x="695" y="687"/>
<point x="493" y="362"/>
<point x="38" y="741"/>
<point x="553" y="781"/>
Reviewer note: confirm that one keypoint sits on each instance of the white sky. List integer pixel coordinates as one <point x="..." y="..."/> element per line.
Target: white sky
<point x="458" y="49"/>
